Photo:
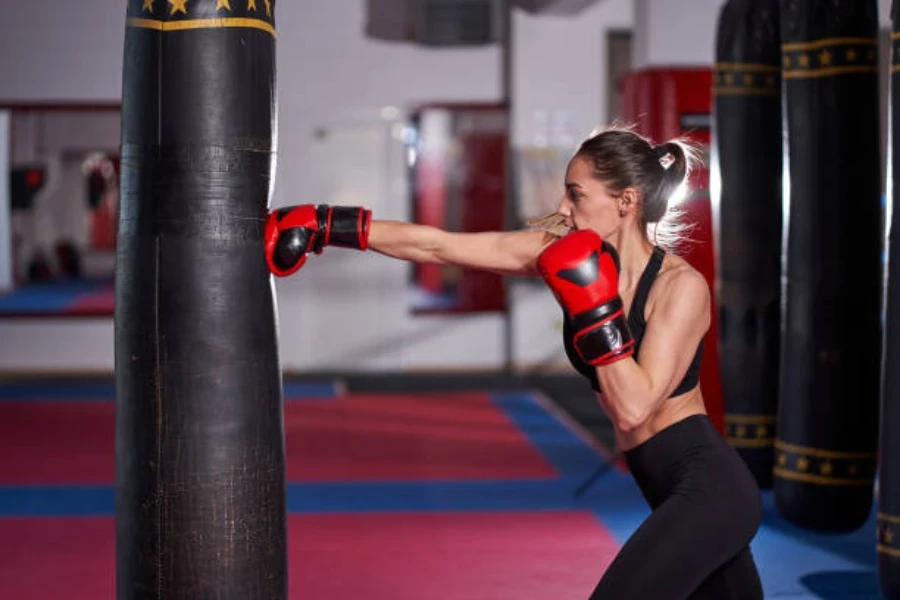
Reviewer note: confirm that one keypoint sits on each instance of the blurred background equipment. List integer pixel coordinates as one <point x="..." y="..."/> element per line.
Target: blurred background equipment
<point x="827" y="432"/>
<point x="437" y="23"/>
<point x="457" y="159"/>
<point x="455" y="23"/>
<point x="63" y="173"/>
<point x="887" y="499"/>
<point x="747" y="155"/>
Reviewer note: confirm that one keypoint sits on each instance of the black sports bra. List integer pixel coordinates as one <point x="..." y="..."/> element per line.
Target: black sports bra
<point x="636" y="323"/>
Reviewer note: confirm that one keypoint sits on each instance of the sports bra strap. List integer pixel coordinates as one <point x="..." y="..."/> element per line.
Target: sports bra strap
<point x="636" y="314"/>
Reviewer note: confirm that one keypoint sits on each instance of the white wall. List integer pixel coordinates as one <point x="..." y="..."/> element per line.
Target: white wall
<point x="560" y="66"/>
<point x="670" y="33"/>
<point x="329" y="74"/>
<point x="62" y="51"/>
<point x="346" y="310"/>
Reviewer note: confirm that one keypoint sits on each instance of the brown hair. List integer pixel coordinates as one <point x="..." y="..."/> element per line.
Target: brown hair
<point x="624" y="159"/>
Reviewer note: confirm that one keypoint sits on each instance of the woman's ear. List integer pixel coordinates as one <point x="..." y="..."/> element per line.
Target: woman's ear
<point x="627" y="201"/>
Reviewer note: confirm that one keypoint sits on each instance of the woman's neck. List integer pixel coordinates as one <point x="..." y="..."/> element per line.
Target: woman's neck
<point x="634" y="251"/>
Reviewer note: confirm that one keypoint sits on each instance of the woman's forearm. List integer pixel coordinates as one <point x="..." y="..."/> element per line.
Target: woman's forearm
<point x="496" y="251"/>
<point x="629" y="391"/>
<point x="406" y="241"/>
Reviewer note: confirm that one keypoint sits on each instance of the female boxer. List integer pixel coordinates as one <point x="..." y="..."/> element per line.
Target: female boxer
<point x="636" y="315"/>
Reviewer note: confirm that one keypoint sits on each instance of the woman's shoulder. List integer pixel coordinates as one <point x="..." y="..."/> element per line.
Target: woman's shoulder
<point x="677" y="269"/>
<point x="680" y="286"/>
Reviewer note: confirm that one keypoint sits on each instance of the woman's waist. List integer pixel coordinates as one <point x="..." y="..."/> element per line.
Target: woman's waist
<point x="673" y="411"/>
<point x="667" y="456"/>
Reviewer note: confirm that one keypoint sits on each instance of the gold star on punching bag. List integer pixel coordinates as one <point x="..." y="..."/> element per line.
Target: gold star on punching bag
<point x="223" y="4"/>
<point x="178" y="6"/>
<point x="148" y="6"/>
<point x="269" y="7"/>
<point x="251" y="5"/>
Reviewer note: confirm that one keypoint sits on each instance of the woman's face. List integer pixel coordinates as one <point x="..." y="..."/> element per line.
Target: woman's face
<point x="587" y="202"/>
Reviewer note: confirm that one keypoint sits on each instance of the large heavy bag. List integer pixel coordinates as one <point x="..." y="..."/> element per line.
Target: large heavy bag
<point x="748" y="141"/>
<point x="200" y="477"/>
<point x="828" y="406"/>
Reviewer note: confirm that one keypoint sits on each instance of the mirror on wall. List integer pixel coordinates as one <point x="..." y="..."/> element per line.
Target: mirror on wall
<point x="457" y="159"/>
<point x="63" y="173"/>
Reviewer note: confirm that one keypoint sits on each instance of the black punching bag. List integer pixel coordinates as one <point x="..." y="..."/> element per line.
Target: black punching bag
<point x="200" y="478"/>
<point x="827" y="430"/>
<point x="888" y="534"/>
<point x="748" y="147"/>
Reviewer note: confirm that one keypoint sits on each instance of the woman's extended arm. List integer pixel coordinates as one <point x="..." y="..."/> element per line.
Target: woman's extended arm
<point x="511" y="253"/>
<point x="293" y="232"/>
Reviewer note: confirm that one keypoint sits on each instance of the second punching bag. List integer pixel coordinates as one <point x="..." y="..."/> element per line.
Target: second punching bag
<point x="828" y="406"/>
<point x="748" y="150"/>
<point x="200" y="474"/>
<point x="888" y="534"/>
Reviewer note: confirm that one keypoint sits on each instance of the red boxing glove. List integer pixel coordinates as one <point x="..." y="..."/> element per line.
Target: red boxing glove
<point x="584" y="278"/>
<point x="295" y="231"/>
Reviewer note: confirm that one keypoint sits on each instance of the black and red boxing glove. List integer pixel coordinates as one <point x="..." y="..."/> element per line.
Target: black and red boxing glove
<point x="584" y="278"/>
<point x="293" y="232"/>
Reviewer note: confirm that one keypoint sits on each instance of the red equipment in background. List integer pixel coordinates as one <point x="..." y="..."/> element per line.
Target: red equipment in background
<point x="103" y="200"/>
<point x="667" y="103"/>
<point x="459" y="184"/>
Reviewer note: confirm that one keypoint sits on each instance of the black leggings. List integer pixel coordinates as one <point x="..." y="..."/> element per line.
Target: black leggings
<point x="706" y="510"/>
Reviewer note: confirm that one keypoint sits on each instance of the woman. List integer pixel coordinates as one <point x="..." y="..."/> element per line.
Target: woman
<point x="636" y="319"/>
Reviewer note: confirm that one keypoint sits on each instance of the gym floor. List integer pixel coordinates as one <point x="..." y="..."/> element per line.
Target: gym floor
<point x="60" y="298"/>
<point x="398" y="488"/>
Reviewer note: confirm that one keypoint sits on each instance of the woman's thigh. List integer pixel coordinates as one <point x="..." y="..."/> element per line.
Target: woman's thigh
<point x="684" y="542"/>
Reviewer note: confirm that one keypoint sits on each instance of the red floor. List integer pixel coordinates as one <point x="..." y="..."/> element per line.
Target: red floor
<point x="416" y="437"/>
<point x="360" y="437"/>
<point x="57" y="442"/>
<point x="424" y="496"/>
<point x="441" y="556"/>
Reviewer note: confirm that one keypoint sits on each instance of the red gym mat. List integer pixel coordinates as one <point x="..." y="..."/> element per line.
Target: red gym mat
<point x="412" y="437"/>
<point x="441" y="556"/>
<point x="96" y="303"/>
<point x="471" y="556"/>
<point x="57" y="442"/>
<point x="57" y="558"/>
<point x="353" y="438"/>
